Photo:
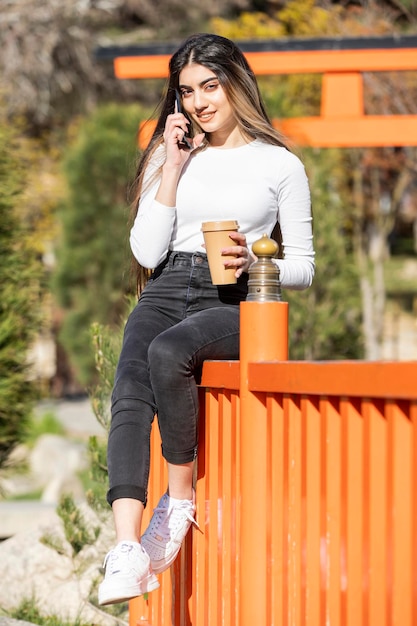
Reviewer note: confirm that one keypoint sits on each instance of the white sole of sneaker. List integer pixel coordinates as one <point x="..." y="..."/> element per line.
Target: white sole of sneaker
<point x="124" y="593"/>
<point x="164" y="565"/>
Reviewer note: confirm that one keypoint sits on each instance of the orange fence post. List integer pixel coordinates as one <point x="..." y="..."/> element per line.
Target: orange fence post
<point x="268" y="322"/>
<point x="263" y="337"/>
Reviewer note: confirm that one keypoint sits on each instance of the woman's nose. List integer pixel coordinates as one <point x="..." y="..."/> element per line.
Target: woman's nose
<point x="199" y="101"/>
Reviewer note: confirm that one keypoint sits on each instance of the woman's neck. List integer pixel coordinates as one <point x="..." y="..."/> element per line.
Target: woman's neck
<point x="233" y="139"/>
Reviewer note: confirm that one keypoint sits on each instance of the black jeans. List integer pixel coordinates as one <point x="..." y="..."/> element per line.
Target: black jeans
<point x="180" y="320"/>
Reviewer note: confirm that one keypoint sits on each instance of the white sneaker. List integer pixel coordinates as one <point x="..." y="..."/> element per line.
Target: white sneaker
<point x="170" y="523"/>
<point x="128" y="574"/>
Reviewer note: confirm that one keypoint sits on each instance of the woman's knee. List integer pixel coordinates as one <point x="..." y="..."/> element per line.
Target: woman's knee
<point x="131" y="385"/>
<point x="170" y="356"/>
<point x="167" y="352"/>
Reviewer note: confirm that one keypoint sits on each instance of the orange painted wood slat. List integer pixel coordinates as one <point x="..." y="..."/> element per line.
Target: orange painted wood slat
<point x="211" y="529"/>
<point x="301" y="62"/>
<point x="214" y="569"/>
<point x="206" y="516"/>
<point x="138" y="612"/>
<point x="293" y="505"/>
<point x="179" y="581"/>
<point x="340" y="378"/>
<point x="286" y="603"/>
<point x="229" y="504"/>
<point x="352" y="513"/>
<point x="311" y="494"/>
<point x="331" y="512"/>
<point x="209" y="403"/>
<point x="253" y="519"/>
<point x="276" y="514"/>
<point x="375" y="514"/>
<point x="400" y="494"/>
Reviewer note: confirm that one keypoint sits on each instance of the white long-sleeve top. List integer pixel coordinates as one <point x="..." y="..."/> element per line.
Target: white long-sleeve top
<point x="256" y="184"/>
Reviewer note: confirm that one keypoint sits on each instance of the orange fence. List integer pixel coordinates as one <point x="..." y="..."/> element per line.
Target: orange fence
<point x="306" y="492"/>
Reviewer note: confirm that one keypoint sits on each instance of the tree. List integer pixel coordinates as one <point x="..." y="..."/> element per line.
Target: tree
<point x="20" y="318"/>
<point x="48" y="68"/>
<point x="374" y="186"/>
<point x="93" y="257"/>
<point x="49" y="74"/>
<point x="325" y="321"/>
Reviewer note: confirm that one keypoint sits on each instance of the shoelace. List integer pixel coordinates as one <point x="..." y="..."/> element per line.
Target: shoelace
<point x="119" y="557"/>
<point x="174" y="518"/>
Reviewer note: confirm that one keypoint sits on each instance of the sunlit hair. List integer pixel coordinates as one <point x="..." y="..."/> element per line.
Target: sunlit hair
<point x="227" y="62"/>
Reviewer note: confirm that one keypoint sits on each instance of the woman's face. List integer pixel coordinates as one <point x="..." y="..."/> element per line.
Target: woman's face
<point x="205" y="100"/>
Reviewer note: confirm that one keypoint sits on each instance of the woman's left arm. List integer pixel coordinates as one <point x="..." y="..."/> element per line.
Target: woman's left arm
<point x="295" y="219"/>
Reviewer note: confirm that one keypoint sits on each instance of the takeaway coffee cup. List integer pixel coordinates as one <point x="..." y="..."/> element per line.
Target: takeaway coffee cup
<point x="216" y="237"/>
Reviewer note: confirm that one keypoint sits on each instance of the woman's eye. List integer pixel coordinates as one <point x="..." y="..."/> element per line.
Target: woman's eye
<point x="211" y="86"/>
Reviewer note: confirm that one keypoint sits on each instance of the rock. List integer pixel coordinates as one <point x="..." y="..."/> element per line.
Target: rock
<point x="17" y="516"/>
<point x="53" y="467"/>
<point x="54" y="463"/>
<point x="59" y="583"/>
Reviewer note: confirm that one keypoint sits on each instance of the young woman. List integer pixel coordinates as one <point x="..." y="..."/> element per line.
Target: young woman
<point x="237" y="167"/>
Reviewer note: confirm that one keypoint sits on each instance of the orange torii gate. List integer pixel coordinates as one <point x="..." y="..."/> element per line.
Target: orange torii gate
<point x="342" y="121"/>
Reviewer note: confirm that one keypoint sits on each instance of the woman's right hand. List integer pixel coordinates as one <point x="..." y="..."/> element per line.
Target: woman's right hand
<point x="176" y="157"/>
<point x="176" y="126"/>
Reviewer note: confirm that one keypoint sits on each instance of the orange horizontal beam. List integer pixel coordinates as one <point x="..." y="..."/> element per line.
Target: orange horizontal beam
<point x="320" y="61"/>
<point x="333" y="378"/>
<point x="300" y="62"/>
<point x="155" y="66"/>
<point x="351" y="132"/>
<point x="335" y="132"/>
<point x="221" y="374"/>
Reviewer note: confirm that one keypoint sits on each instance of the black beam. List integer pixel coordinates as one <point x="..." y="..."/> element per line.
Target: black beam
<point x="394" y="42"/>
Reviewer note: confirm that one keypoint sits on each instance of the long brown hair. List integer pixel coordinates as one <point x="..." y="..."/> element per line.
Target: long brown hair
<point x="227" y="62"/>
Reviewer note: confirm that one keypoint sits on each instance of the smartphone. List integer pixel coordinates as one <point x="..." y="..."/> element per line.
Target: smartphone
<point x="186" y="142"/>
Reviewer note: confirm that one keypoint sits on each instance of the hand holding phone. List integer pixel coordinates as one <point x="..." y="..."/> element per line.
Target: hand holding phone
<point x="185" y="143"/>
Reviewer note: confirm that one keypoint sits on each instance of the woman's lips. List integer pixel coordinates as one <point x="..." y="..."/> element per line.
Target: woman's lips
<point x="205" y="117"/>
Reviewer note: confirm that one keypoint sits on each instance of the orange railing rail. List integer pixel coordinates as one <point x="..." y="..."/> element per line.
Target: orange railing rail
<point x="306" y="492"/>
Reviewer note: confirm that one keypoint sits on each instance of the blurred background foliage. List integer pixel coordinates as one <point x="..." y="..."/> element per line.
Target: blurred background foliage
<point x="20" y="295"/>
<point x="93" y="261"/>
<point x="68" y="150"/>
